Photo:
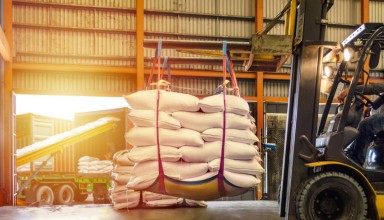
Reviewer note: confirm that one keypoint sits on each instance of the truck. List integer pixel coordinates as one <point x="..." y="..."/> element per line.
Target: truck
<point x="48" y="169"/>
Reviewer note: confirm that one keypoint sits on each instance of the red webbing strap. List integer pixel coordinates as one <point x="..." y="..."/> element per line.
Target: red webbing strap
<point x="233" y="78"/>
<point x="222" y="190"/>
<point x="160" y="163"/>
<point x="151" y="73"/>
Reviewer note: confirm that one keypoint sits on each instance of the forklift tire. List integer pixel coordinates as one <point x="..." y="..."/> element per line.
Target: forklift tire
<point x="64" y="195"/>
<point x="331" y="195"/>
<point x="44" y="195"/>
<point x="79" y="197"/>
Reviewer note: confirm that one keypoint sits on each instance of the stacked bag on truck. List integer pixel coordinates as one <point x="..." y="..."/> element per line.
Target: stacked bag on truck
<point x="88" y="164"/>
<point x="188" y="133"/>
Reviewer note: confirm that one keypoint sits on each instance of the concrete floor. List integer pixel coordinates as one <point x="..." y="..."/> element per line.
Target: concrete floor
<point x="215" y="210"/>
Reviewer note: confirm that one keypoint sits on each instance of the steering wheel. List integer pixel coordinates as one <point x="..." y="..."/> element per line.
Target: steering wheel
<point x="363" y="100"/>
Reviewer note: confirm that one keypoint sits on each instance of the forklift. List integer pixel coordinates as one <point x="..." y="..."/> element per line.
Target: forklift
<point x="319" y="181"/>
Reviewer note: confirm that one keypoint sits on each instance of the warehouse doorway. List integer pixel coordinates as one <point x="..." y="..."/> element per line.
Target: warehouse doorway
<point x="40" y="117"/>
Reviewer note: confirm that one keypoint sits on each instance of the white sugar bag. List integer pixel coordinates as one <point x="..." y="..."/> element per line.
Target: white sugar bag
<point x="124" y="196"/>
<point x="215" y="103"/>
<point x="121" y="179"/>
<point x="251" y="167"/>
<point x="142" y="154"/>
<point x="121" y="169"/>
<point x="146" y="136"/>
<point x="132" y="200"/>
<point x="175" y="170"/>
<point x="242" y="136"/>
<point x="117" y="188"/>
<point x="150" y="196"/>
<point x="147" y="118"/>
<point x="142" y="182"/>
<point x="194" y="203"/>
<point x="121" y="158"/>
<point x="125" y="205"/>
<point x="212" y="150"/>
<point x="165" y="202"/>
<point x="169" y="101"/>
<point x="237" y="179"/>
<point x="88" y="159"/>
<point x="200" y="121"/>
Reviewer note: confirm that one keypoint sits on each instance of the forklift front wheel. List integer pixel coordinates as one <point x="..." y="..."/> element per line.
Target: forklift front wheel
<point x="331" y="195"/>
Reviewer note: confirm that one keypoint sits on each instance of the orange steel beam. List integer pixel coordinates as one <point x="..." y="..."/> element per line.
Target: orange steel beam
<point x="4" y="46"/>
<point x="6" y="197"/>
<point x="120" y="70"/>
<point x="139" y="44"/>
<point x="259" y="83"/>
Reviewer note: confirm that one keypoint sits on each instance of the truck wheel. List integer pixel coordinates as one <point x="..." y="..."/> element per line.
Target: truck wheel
<point x="79" y="197"/>
<point x="44" y="195"/>
<point x="331" y="195"/>
<point x="64" y="195"/>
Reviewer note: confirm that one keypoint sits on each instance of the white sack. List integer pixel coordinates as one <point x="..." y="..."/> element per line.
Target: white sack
<point x="146" y="136"/>
<point x="165" y="202"/>
<point x="121" y="179"/>
<point x="215" y="103"/>
<point x="251" y="167"/>
<point x="124" y="196"/>
<point x="147" y="118"/>
<point x="122" y="169"/>
<point x="88" y="159"/>
<point x="200" y="121"/>
<point x="142" y="154"/>
<point x="151" y="196"/>
<point x="212" y="150"/>
<point x="142" y="182"/>
<point x="121" y="158"/>
<point x="242" y="136"/>
<point x="237" y="179"/>
<point x="175" y="170"/>
<point x="169" y="101"/>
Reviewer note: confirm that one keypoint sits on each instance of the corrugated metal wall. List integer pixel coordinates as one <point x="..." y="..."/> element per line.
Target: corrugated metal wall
<point x="97" y="32"/>
<point x="74" y="83"/>
<point x="376" y="14"/>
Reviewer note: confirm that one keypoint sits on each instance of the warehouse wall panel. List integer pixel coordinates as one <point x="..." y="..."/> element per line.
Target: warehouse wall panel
<point x="273" y="7"/>
<point x="69" y="83"/>
<point x="345" y="12"/>
<point x="244" y="8"/>
<point x="337" y="34"/>
<point x="376" y="11"/>
<point x="276" y="88"/>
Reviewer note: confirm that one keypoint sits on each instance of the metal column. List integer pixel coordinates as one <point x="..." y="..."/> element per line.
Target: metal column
<point x="304" y="96"/>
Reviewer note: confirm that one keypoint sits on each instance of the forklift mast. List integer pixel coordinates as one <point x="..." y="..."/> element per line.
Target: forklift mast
<point x="304" y="95"/>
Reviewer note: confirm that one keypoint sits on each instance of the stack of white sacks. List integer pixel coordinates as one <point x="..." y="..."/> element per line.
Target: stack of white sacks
<point x="120" y="196"/>
<point x="123" y="198"/>
<point x="190" y="138"/>
<point x="87" y="164"/>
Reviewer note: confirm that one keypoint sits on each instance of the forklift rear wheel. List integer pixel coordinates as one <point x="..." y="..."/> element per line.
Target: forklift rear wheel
<point x="44" y="195"/>
<point x="64" y="195"/>
<point x="331" y="195"/>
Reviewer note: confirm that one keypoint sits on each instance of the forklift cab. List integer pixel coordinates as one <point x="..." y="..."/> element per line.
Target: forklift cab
<point x="337" y="187"/>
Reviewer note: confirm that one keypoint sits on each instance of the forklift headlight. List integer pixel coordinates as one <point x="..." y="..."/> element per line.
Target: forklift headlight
<point x="348" y="54"/>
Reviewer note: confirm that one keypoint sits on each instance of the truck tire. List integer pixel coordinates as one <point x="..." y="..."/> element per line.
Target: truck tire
<point x="79" y="197"/>
<point x="44" y="195"/>
<point x="331" y="195"/>
<point x="64" y="195"/>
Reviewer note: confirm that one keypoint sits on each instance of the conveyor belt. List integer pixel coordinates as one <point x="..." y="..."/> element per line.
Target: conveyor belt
<point x="60" y="141"/>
